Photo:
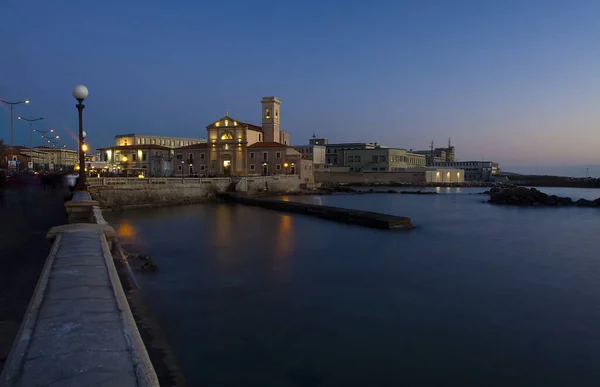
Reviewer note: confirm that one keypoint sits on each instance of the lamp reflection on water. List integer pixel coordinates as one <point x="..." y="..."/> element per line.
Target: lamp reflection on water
<point x="283" y="247"/>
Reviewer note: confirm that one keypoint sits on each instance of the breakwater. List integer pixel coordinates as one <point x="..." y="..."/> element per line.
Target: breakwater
<point x="362" y="218"/>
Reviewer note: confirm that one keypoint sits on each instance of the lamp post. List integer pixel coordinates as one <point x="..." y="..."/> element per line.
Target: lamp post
<point x="31" y="121"/>
<point x="285" y="167"/>
<point x="44" y="131"/>
<point x="182" y="163"/>
<point x="80" y="92"/>
<point x="12" y="133"/>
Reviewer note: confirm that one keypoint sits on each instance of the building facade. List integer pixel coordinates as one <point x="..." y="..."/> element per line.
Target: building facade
<point x="148" y="139"/>
<point x="137" y="160"/>
<point x="381" y="160"/>
<point x="242" y="149"/>
<point x="316" y="153"/>
<point x="473" y="170"/>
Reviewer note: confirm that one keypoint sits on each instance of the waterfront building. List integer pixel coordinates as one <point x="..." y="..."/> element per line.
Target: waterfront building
<point x="149" y="139"/>
<point x="316" y="153"/>
<point x="59" y="158"/>
<point x="141" y="155"/>
<point x="138" y="160"/>
<point x="474" y="170"/>
<point x="381" y="160"/>
<point x="242" y="149"/>
<point x="438" y="155"/>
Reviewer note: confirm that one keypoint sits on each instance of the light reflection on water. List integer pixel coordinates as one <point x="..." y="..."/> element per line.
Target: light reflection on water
<point x="478" y="295"/>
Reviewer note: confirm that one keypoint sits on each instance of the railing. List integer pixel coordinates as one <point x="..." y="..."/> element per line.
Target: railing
<point x="108" y="181"/>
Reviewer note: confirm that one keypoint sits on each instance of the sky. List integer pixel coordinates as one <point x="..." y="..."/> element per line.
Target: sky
<point x="515" y="82"/>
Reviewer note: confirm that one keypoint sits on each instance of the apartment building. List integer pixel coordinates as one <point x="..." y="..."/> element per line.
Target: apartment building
<point x="381" y="160"/>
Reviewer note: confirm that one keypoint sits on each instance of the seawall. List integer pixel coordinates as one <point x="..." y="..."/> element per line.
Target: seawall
<point x="123" y="193"/>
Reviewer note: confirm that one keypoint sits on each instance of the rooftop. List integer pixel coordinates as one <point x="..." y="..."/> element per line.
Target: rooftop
<point x="136" y="147"/>
<point x="269" y="145"/>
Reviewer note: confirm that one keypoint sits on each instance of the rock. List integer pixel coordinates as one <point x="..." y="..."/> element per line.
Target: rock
<point x="392" y="191"/>
<point x="521" y="196"/>
<point x="586" y="203"/>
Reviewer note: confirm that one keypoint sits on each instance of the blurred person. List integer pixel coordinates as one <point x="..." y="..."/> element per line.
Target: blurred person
<point x="3" y="184"/>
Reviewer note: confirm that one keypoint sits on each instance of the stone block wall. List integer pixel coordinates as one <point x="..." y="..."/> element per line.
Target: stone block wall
<point x="137" y="195"/>
<point x="251" y="185"/>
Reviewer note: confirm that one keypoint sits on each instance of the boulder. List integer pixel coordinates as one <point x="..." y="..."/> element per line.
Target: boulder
<point x="586" y="203"/>
<point x="521" y="196"/>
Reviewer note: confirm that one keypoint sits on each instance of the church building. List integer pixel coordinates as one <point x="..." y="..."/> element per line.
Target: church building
<point x="238" y="148"/>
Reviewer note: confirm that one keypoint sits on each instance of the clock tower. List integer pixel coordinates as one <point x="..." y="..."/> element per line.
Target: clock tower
<point x="270" y="118"/>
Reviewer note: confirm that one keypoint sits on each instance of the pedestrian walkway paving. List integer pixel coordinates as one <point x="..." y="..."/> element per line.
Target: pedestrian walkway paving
<point x="24" y="222"/>
<point x="78" y="330"/>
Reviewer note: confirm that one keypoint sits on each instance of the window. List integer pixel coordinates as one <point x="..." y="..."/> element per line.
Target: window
<point x="382" y="169"/>
<point x="179" y="156"/>
<point x="179" y="167"/>
<point x="357" y="159"/>
<point x="226" y="136"/>
<point x="278" y="167"/>
<point x="201" y="156"/>
<point x="251" y="155"/>
<point x="375" y="158"/>
<point x="143" y="156"/>
<point x="259" y="137"/>
<point x="226" y="147"/>
<point x="134" y="157"/>
<point x="191" y="156"/>
<point x="350" y="159"/>
<point x="265" y="156"/>
<point x="202" y="167"/>
<point x="277" y="155"/>
<point x="268" y="113"/>
<point x="252" y="167"/>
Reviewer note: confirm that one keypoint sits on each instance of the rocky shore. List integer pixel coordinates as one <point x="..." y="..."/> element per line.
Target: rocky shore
<point x="521" y="196"/>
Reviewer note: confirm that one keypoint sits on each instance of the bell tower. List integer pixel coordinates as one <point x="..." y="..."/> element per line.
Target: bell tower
<point x="270" y="118"/>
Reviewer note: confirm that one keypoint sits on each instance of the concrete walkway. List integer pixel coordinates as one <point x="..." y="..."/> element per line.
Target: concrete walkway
<point x="78" y="330"/>
<point x="24" y="221"/>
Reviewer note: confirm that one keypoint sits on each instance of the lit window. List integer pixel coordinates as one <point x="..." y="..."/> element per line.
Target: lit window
<point x="268" y="113"/>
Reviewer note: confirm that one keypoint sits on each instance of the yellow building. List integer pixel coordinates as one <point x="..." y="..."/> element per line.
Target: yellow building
<point x="242" y="149"/>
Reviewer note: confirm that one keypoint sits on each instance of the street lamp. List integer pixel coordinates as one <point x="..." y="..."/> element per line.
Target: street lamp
<point x="80" y="92"/>
<point x="44" y="131"/>
<point x="12" y="133"/>
<point x="182" y="163"/>
<point x="31" y="121"/>
<point x="285" y="167"/>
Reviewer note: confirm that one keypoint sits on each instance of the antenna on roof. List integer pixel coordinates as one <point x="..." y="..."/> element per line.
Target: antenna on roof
<point x="227" y="113"/>
<point x="314" y="134"/>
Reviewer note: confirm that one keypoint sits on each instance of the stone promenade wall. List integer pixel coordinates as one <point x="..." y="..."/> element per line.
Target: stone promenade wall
<point x="121" y="193"/>
<point x="283" y="183"/>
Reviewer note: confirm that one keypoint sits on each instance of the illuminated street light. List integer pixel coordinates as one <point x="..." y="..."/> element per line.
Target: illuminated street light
<point x="12" y="133"/>
<point x="80" y="92"/>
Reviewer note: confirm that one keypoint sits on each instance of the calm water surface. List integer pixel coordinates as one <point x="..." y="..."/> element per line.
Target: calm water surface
<point x="477" y="295"/>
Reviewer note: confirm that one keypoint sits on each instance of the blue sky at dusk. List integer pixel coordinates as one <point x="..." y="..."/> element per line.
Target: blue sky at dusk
<point x="512" y="81"/>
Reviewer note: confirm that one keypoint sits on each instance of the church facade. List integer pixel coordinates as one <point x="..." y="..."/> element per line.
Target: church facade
<point x="241" y="149"/>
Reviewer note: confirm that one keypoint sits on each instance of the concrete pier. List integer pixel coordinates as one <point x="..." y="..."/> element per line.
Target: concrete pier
<point x="344" y="215"/>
